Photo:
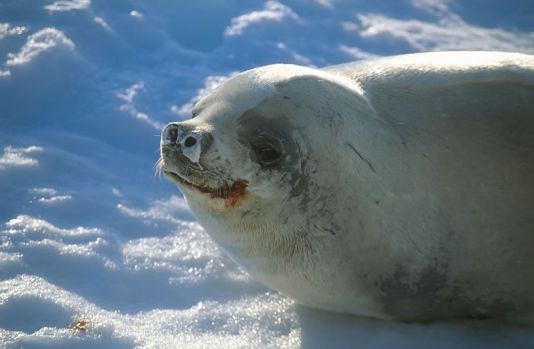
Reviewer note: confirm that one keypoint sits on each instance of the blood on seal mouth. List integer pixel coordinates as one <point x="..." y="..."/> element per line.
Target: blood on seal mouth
<point x="232" y="193"/>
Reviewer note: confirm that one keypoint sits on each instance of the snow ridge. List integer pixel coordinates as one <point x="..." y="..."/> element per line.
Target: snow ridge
<point x="97" y="253"/>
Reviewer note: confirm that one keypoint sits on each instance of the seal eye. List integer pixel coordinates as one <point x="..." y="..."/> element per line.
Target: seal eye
<point x="267" y="155"/>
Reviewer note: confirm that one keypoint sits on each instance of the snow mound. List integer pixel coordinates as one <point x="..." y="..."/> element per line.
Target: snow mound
<point x="13" y="157"/>
<point x="44" y="40"/>
<point x="97" y="252"/>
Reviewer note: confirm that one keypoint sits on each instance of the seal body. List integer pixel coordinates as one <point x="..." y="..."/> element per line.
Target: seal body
<point x="398" y="188"/>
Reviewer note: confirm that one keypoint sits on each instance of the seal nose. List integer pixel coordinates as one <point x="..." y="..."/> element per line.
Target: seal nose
<point x="188" y="140"/>
<point x="169" y="134"/>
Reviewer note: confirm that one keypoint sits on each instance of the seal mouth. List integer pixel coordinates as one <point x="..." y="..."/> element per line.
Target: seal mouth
<point x="231" y="193"/>
<point x="185" y="175"/>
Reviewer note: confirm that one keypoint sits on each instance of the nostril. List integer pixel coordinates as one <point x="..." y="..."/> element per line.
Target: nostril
<point x="190" y="141"/>
<point x="173" y="134"/>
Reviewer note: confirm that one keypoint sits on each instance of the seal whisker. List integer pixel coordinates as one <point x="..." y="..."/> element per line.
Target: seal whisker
<point x="158" y="167"/>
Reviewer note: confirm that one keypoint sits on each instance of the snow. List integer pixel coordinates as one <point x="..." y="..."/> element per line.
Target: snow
<point x="91" y="239"/>
<point x="452" y="33"/>
<point x="128" y="97"/>
<point x="38" y="43"/>
<point x="63" y="5"/>
<point x="7" y="29"/>
<point x="272" y="12"/>
<point x="19" y="156"/>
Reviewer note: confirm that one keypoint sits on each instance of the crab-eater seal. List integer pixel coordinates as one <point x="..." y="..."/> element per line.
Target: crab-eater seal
<point x="396" y="188"/>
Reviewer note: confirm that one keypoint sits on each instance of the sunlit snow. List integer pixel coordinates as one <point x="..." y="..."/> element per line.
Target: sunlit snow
<point x="96" y="251"/>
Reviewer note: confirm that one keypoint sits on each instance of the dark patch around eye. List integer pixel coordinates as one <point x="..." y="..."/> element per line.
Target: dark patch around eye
<point x="268" y="139"/>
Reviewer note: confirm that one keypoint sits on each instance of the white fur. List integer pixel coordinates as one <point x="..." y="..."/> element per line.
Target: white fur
<point x="413" y="183"/>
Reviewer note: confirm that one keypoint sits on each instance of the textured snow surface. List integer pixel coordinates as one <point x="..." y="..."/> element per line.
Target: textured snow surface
<point x="97" y="253"/>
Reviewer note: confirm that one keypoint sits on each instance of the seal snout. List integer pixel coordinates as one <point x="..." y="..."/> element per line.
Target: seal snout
<point x="188" y="140"/>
